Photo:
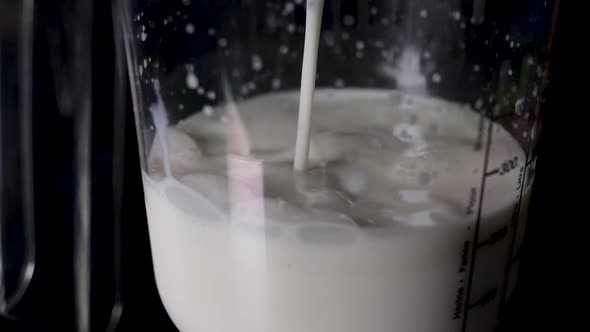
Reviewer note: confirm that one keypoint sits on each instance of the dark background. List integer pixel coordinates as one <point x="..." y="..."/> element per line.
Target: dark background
<point x="553" y="258"/>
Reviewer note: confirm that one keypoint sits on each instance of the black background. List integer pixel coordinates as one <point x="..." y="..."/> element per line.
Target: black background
<point x="553" y="257"/>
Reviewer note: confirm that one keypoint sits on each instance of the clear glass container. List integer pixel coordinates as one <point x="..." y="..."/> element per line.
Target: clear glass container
<point x="410" y="212"/>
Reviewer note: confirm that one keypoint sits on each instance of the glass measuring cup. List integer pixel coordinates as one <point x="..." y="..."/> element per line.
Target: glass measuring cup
<point x="411" y="212"/>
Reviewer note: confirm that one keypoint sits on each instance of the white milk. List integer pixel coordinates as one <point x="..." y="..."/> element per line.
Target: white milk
<point x="374" y="237"/>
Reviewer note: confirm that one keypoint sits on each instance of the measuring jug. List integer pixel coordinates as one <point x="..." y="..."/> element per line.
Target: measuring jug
<point x="419" y="121"/>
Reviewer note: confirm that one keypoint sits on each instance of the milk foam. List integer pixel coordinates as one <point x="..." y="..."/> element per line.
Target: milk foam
<point x="370" y="238"/>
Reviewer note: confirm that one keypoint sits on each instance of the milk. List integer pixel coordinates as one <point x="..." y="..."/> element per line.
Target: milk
<point x="371" y="238"/>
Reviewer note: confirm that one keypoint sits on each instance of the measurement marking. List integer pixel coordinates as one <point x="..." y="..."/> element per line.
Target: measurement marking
<point x="477" y="226"/>
<point x="495" y="237"/>
<point x="493" y="172"/>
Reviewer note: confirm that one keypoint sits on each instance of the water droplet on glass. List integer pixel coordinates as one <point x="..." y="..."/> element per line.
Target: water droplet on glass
<point x="436" y="78"/>
<point x="256" y="62"/>
<point x="211" y="95"/>
<point x="191" y="80"/>
<point x="143" y="36"/>
<point x="348" y="20"/>
<point x="478" y="104"/>
<point x="189" y="28"/>
<point x="208" y="110"/>
<point x="276" y="83"/>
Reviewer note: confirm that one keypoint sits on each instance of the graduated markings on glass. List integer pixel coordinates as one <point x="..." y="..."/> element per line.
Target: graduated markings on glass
<point x="464" y="302"/>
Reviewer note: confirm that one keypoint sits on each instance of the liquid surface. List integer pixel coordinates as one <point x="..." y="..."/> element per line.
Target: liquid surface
<point x="371" y="238"/>
<point x="377" y="159"/>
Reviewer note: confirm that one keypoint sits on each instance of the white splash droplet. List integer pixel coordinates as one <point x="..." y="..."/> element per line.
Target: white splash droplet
<point x="436" y="78"/>
<point x="348" y="20"/>
<point x="256" y="62"/>
<point x="192" y="82"/>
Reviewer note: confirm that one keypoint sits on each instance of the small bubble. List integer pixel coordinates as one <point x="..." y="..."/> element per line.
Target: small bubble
<point x="186" y="2"/>
<point x="360" y="45"/>
<point x="211" y="32"/>
<point x="140" y="70"/>
<point x="509" y="72"/>
<point x="200" y="91"/>
<point x="424" y="13"/>
<point x="476" y="68"/>
<point x="456" y="15"/>
<point x="427" y="55"/>
<point x="373" y="10"/>
<point x="385" y="21"/>
<point x="511" y="44"/>
<point x="208" y="110"/>
<point x="143" y="36"/>
<point x="252" y="85"/>
<point x="180" y="107"/>
<point x="284" y="49"/>
<point x="348" y="20"/>
<point x="344" y="35"/>
<point x="299" y="2"/>
<point x="189" y="28"/>
<point x="379" y="44"/>
<point x="244" y="90"/>
<point x="478" y="104"/>
<point x="211" y="95"/>
<point x="222" y="42"/>
<point x="436" y="78"/>
<point x="291" y="27"/>
<point x="276" y="83"/>
<point x="339" y="83"/>
<point x="256" y="62"/>
<point x="507" y="37"/>
<point x="192" y="82"/>
<point x="289" y="8"/>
